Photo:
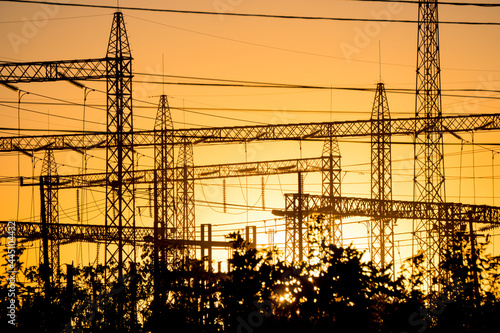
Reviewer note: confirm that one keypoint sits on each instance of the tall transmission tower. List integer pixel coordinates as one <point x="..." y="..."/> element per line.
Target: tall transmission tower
<point x="50" y="200"/>
<point x="175" y="209"/>
<point x="331" y="186"/>
<point x="120" y="199"/>
<point x="164" y="173"/>
<point x="296" y="230"/>
<point x="185" y="214"/>
<point x="382" y="229"/>
<point x="429" y="179"/>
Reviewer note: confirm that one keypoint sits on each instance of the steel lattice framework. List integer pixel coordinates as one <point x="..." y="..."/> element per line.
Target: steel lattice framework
<point x="203" y="172"/>
<point x="118" y="140"/>
<point x="174" y="182"/>
<point x="331" y="186"/>
<point x="50" y="200"/>
<point x="43" y="71"/>
<point x="67" y="233"/>
<point x="165" y="218"/>
<point x="381" y="230"/>
<point x="453" y="213"/>
<point x="185" y="217"/>
<point x="301" y="131"/>
<point x="296" y="230"/>
<point x="429" y="178"/>
<point x="120" y="199"/>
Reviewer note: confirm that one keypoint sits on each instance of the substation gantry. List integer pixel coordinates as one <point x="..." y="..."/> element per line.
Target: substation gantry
<point x="174" y="219"/>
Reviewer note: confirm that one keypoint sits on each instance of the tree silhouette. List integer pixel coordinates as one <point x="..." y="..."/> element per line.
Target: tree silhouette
<point x="333" y="290"/>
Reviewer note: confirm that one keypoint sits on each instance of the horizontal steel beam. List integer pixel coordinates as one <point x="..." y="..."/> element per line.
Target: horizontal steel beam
<point x="301" y="131"/>
<point x="42" y="71"/>
<point x="68" y="233"/>
<point x="217" y="171"/>
<point x="396" y="209"/>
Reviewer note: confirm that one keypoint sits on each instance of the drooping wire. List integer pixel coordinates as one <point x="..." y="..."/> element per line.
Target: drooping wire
<point x="246" y="180"/>
<point x="150" y="200"/>
<point x="263" y="193"/>
<point x="273" y="16"/>
<point x="493" y="192"/>
<point x="96" y="261"/>
<point x="224" y="202"/>
<point x="473" y="167"/>
<point x="78" y="219"/>
<point x="460" y="172"/>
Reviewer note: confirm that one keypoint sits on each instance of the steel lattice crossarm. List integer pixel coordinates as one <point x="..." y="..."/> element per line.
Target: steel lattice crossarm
<point x="73" y="232"/>
<point x="301" y="131"/>
<point x="324" y="130"/>
<point x="41" y="71"/>
<point x="397" y="209"/>
<point x="68" y="233"/>
<point x="277" y="167"/>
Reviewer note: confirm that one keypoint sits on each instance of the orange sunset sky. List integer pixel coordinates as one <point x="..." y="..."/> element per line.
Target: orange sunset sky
<point x="321" y="53"/>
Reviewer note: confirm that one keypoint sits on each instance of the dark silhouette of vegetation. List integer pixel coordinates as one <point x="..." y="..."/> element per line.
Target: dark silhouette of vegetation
<point x="333" y="291"/>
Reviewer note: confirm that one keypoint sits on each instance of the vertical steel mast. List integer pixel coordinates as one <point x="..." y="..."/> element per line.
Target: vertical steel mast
<point x="164" y="167"/>
<point x="120" y="201"/>
<point x="331" y="179"/>
<point x="51" y="201"/>
<point x="382" y="229"/>
<point x="429" y="179"/>
<point x="185" y="228"/>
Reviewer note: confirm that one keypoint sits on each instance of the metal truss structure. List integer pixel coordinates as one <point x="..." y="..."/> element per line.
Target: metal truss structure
<point x="173" y="179"/>
<point x="163" y="175"/>
<point x="299" y="206"/>
<point x="204" y="172"/>
<point x="296" y="229"/>
<point x="381" y="230"/>
<point x="296" y="248"/>
<point x="185" y="223"/>
<point x="452" y="213"/>
<point x="331" y="186"/>
<point x="301" y="131"/>
<point x="120" y="199"/>
<point x="50" y="195"/>
<point x="118" y="140"/>
<point x="67" y="233"/>
<point x="43" y="71"/>
<point x="429" y="179"/>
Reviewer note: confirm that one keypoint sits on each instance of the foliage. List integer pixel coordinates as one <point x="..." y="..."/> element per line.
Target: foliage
<point x="334" y="290"/>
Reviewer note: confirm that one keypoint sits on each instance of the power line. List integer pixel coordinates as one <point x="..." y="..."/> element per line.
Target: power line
<point x="50" y="115"/>
<point x="311" y="18"/>
<point x="50" y="130"/>
<point x="477" y="4"/>
<point x="289" y="50"/>
<point x="57" y="18"/>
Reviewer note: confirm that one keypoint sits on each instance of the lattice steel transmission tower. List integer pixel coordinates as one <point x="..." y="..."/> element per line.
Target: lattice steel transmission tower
<point x="331" y="178"/>
<point x="185" y="210"/>
<point x="296" y="248"/>
<point x="297" y="219"/>
<point x="381" y="229"/>
<point x="429" y="180"/>
<point x="164" y="173"/>
<point x="50" y="194"/>
<point x="120" y="200"/>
